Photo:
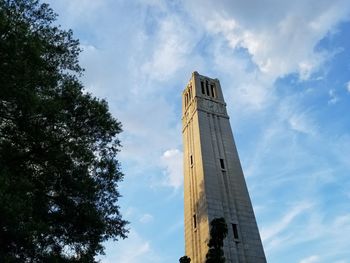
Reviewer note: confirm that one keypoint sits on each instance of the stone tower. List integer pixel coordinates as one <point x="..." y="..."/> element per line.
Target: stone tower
<point x="214" y="184"/>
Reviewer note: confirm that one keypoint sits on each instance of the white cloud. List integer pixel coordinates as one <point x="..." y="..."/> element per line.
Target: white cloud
<point x="172" y="161"/>
<point x="280" y="39"/>
<point x="80" y="12"/>
<point x="333" y="98"/>
<point x="253" y="94"/>
<point x="244" y="86"/>
<point x="301" y="123"/>
<point x="146" y="218"/>
<point x="170" y="47"/>
<point x="342" y="222"/>
<point x="272" y="231"/>
<point x="85" y="7"/>
<point x="297" y="117"/>
<point x="134" y="249"/>
<point x="130" y="211"/>
<point x="311" y="259"/>
<point x="348" y="86"/>
<point x="154" y="3"/>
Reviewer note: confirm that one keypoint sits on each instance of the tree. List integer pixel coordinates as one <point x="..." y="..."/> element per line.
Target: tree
<point x="58" y="146"/>
<point x="218" y="233"/>
<point x="185" y="259"/>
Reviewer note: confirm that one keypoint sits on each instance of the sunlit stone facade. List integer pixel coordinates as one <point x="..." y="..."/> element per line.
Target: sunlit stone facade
<point x="214" y="184"/>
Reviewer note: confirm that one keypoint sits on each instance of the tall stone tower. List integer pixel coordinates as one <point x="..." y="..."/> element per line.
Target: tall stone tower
<point x="214" y="184"/>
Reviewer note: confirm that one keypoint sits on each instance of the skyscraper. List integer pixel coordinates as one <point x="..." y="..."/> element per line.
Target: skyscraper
<point x="214" y="184"/>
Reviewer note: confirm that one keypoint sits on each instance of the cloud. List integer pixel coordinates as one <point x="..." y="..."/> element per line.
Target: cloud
<point x="146" y="218"/>
<point x="333" y="98"/>
<point x="173" y="45"/>
<point x="342" y="222"/>
<point x="84" y="7"/>
<point x="311" y="259"/>
<point x="272" y="231"/>
<point x="281" y="38"/>
<point x="172" y="161"/>
<point x="301" y="123"/>
<point x="148" y="129"/>
<point x="134" y="249"/>
<point x="348" y="86"/>
<point x="80" y="12"/>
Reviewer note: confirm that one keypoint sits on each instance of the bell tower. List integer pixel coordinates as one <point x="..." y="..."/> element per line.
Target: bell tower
<point x="214" y="183"/>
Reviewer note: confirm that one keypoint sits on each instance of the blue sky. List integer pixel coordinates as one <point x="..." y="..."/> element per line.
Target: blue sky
<point x="284" y="68"/>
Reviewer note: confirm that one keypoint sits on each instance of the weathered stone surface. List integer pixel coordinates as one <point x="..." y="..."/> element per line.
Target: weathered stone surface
<point x="214" y="184"/>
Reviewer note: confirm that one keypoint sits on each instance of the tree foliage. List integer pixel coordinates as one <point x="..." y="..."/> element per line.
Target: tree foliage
<point x="185" y="259"/>
<point x="58" y="145"/>
<point x="218" y="232"/>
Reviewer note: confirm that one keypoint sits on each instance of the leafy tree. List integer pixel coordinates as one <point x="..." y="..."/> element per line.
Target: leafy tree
<point x="185" y="259"/>
<point x="218" y="233"/>
<point x="58" y="145"/>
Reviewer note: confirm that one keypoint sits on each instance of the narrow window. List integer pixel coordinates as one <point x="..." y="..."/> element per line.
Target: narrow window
<point x="222" y="164"/>
<point x="207" y="87"/>
<point x="186" y="100"/>
<point x="194" y="221"/>
<point x="190" y="91"/>
<point x="235" y="231"/>
<point x="212" y="88"/>
<point x="191" y="160"/>
<point x="202" y="86"/>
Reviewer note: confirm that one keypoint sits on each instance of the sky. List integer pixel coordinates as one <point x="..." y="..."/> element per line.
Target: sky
<point x="284" y="69"/>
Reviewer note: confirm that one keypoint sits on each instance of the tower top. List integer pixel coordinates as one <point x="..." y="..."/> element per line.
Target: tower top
<point x="196" y="73"/>
<point x="202" y="89"/>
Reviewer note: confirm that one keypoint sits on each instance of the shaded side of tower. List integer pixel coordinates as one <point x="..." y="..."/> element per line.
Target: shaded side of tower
<point x="214" y="185"/>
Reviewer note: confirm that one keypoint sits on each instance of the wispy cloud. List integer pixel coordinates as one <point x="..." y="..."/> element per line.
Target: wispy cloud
<point x="301" y="123"/>
<point x="284" y="222"/>
<point x="146" y="218"/>
<point x="311" y="259"/>
<point x="173" y="45"/>
<point x="172" y="161"/>
<point x="279" y="43"/>
<point x="134" y="249"/>
<point x="333" y="98"/>
<point x="348" y="86"/>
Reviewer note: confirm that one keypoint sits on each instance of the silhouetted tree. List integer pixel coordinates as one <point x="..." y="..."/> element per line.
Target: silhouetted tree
<point x="185" y="259"/>
<point x="218" y="232"/>
<point x="58" y="145"/>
